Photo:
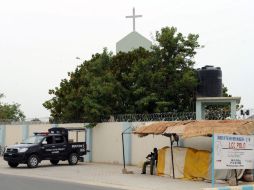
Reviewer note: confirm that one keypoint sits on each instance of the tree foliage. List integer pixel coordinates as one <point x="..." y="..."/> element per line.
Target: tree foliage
<point x="139" y="81"/>
<point x="10" y="112"/>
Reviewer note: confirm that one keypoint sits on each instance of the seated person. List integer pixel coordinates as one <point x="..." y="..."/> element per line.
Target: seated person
<point x="175" y="138"/>
<point x="151" y="160"/>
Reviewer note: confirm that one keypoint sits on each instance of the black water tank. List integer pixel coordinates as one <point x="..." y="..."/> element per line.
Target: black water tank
<point x="210" y="82"/>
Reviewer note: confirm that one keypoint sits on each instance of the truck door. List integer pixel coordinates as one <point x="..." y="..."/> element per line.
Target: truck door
<point x="47" y="147"/>
<point x="61" y="145"/>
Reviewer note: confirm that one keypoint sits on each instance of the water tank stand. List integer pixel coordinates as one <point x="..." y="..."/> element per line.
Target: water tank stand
<point x="202" y="102"/>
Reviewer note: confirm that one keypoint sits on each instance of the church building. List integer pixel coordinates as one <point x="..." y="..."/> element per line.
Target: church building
<point x="133" y="40"/>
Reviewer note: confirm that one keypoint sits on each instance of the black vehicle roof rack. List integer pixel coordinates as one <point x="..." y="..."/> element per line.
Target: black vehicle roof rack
<point x="41" y="133"/>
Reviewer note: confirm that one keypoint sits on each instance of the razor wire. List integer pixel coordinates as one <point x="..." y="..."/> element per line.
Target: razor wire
<point x="169" y="116"/>
<point x="172" y="116"/>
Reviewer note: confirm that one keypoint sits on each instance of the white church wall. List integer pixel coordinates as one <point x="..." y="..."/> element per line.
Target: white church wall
<point x="133" y="41"/>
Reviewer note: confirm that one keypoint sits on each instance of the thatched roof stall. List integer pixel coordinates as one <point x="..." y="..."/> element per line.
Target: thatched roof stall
<point x="204" y="128"/>
<point x="187" y="129"/>
<point x="157" y="128"/>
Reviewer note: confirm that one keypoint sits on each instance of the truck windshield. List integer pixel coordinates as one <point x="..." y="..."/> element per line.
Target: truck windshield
<point x="32" y="140"/>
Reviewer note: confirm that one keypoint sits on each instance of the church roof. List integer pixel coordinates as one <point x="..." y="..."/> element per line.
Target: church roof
<point x="133" y="41"/>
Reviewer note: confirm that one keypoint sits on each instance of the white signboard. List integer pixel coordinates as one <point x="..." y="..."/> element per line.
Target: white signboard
<point x="233" y="152"/>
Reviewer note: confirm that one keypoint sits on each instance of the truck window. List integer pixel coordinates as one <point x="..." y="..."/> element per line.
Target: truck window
<point x="32" y="140"/>
<point x="48" y="140"/>
<point x="59" y="139"/>
<point x="76" y="136"/>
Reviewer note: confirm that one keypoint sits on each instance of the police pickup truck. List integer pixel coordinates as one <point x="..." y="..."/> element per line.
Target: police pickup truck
<point x="53" y="145"/>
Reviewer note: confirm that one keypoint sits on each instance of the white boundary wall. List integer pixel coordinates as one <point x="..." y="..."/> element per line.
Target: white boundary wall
<point x="13" y="134"/>
<point x="106" y="141"/>
<point x="38" y="128"/>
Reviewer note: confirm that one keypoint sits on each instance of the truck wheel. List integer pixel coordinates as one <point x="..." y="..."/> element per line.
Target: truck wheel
<point x="33" y="161"/>
<point x="54" y="162"/>
<point x="13" y="164"/>
<point x="73" y="159"/>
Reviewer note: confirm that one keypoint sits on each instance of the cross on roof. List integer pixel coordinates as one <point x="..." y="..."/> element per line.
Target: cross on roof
<point x="133" y="17"/>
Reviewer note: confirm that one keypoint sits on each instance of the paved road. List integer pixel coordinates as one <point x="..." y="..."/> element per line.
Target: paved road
<point x="106" y="175"/>
<point x="11" y="182"/>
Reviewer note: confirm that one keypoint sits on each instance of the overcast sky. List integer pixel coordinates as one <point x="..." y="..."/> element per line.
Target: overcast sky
<point x="39" y="40"/>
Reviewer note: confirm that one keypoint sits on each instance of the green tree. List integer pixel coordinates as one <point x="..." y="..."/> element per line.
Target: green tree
<point x="10" y="112"/>
<point x="225" y="91"/>
<point x="91" y="93"/>
<point x="139" y="81"/>
<point x="166" y="81"/>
